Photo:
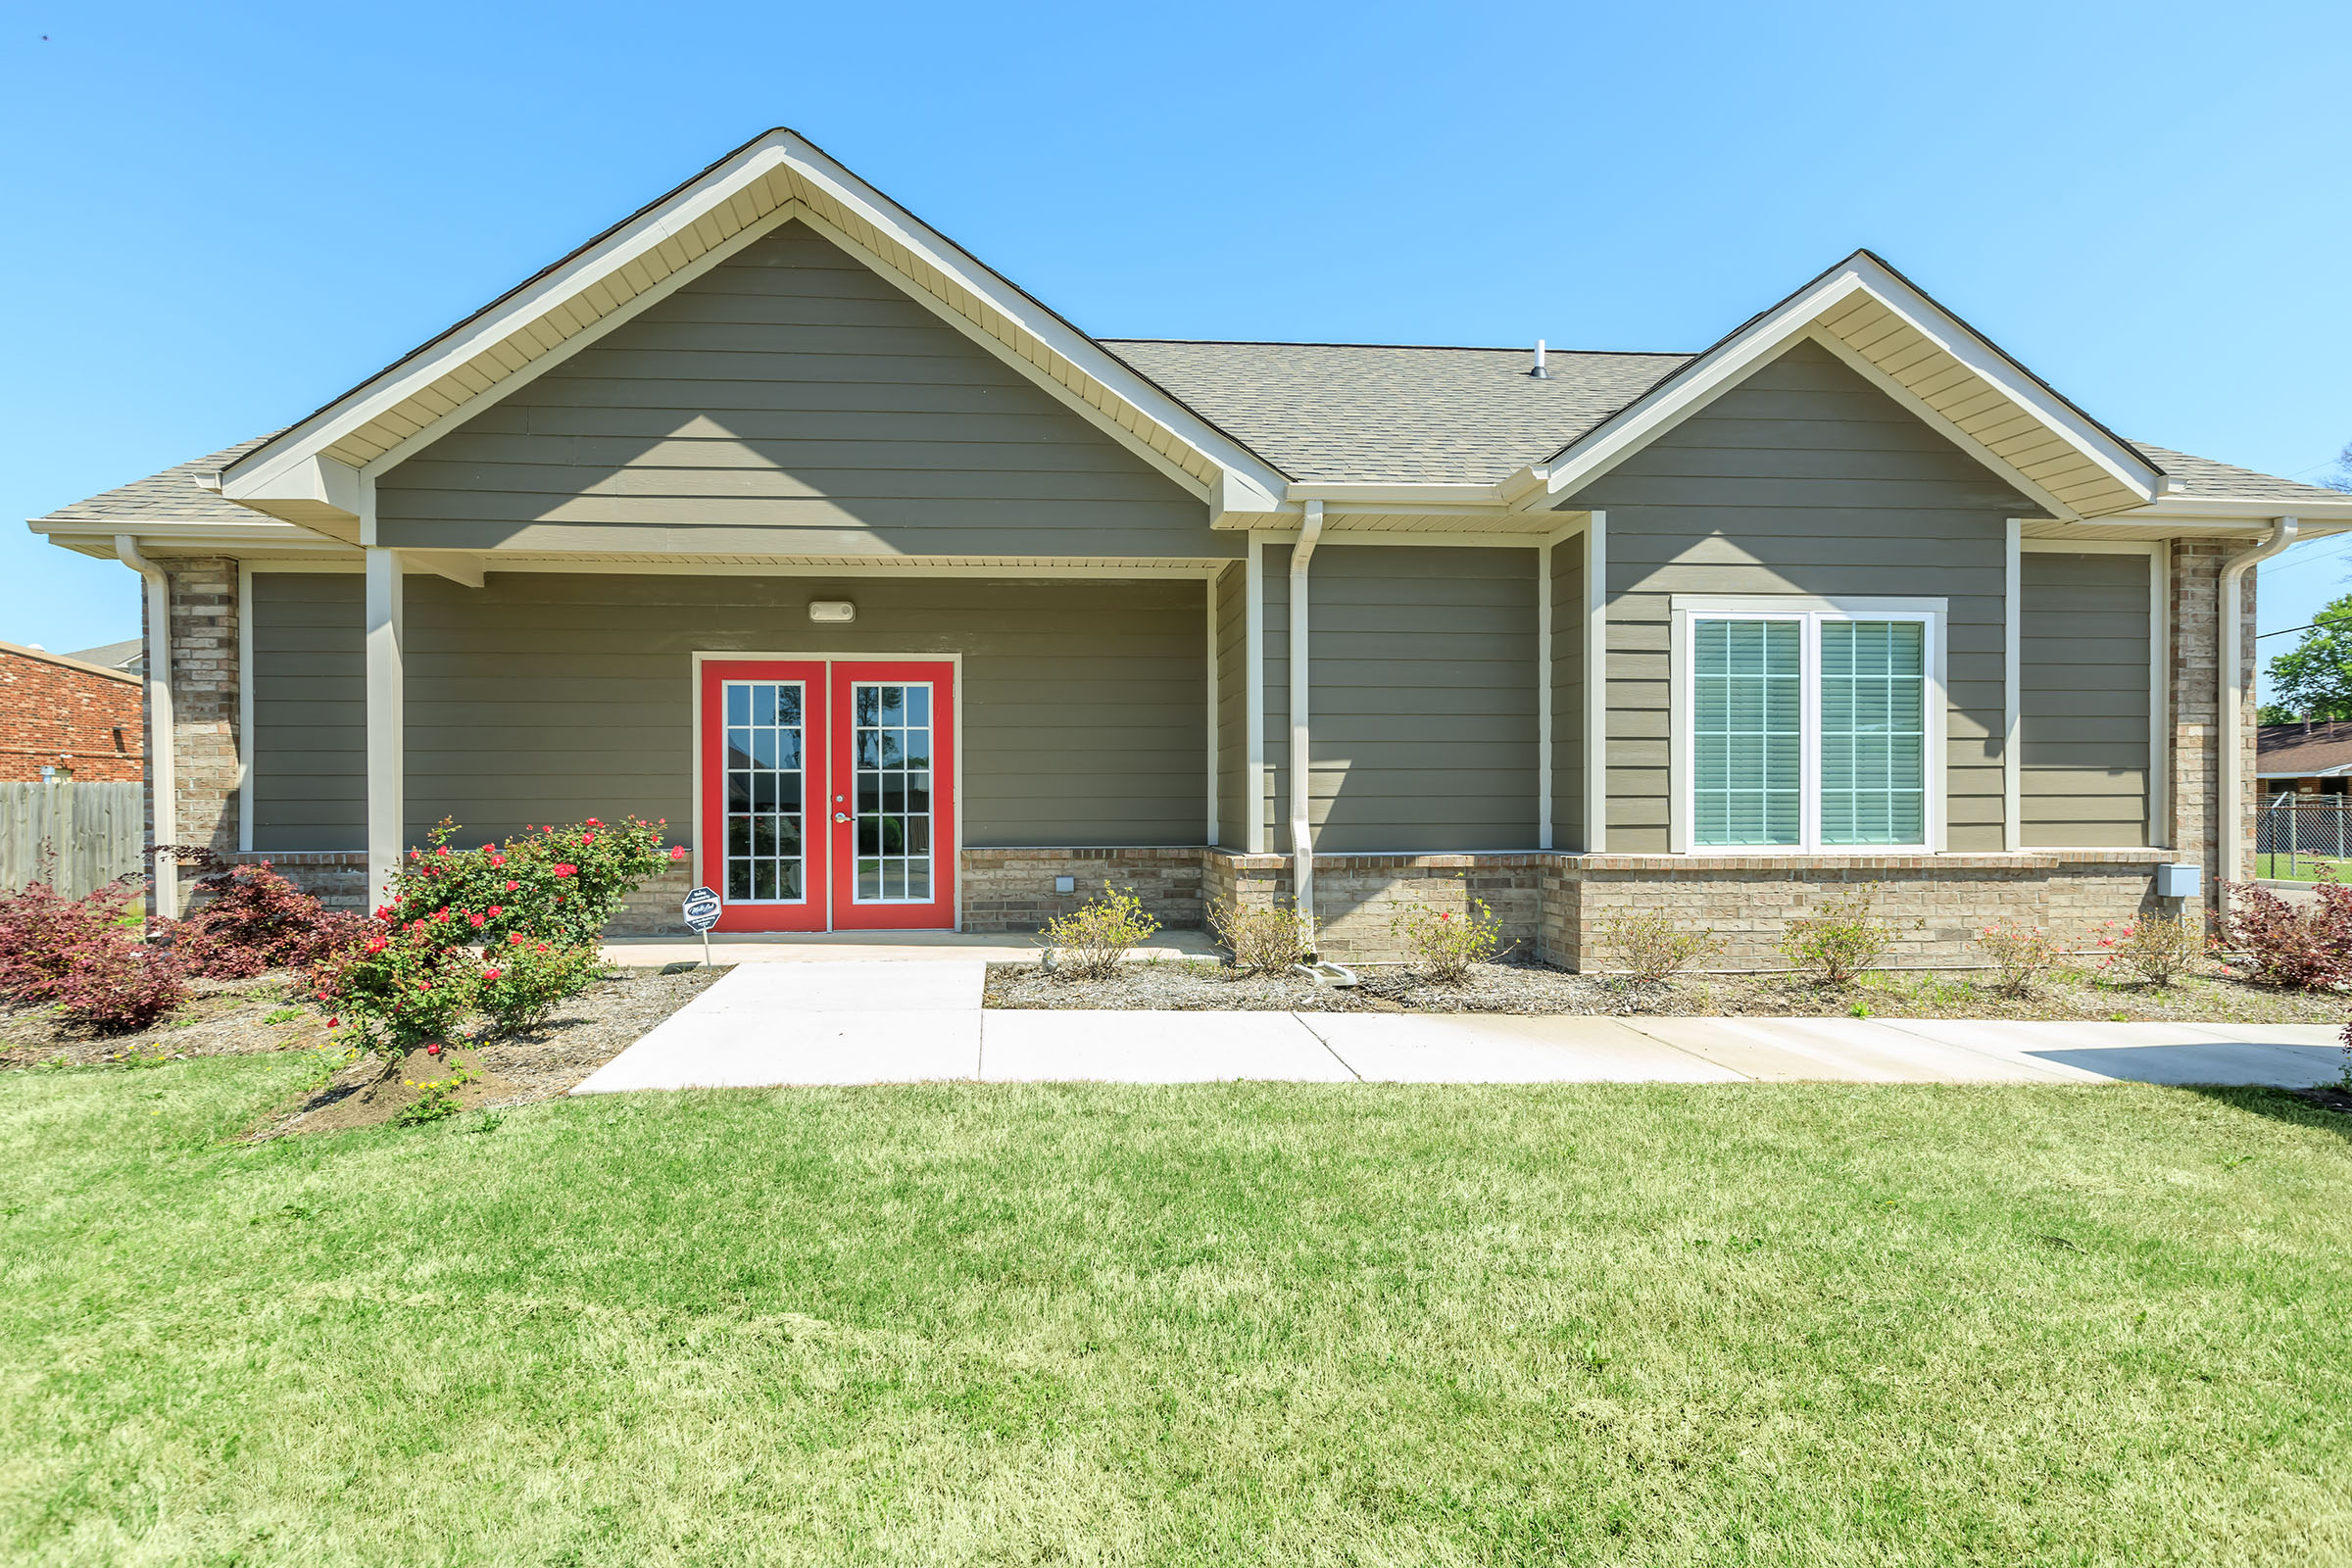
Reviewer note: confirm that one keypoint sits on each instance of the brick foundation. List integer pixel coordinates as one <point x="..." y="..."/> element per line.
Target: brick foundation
<point x="336" y="878"/>
<point x="1012" y="890"/>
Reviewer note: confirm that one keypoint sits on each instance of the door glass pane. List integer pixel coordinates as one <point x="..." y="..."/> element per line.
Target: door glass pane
<point x="763" y="792"/>
<point x="1747" y="704"/>
<point x="890" y="748"/>
<point x="1874" y="737"/>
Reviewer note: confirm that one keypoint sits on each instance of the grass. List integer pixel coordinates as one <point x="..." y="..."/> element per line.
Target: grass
<point x="1654" y="1325"/>
<point x="2301" y="867"/>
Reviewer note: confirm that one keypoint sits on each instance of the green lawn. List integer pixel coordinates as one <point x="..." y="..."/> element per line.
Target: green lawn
<point x="2300" y="868"/>
<point x="1267" y="1325"/>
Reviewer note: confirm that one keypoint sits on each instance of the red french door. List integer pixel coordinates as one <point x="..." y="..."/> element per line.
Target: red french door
<point x="828" y="794"/>
<point x="892" y="792"/>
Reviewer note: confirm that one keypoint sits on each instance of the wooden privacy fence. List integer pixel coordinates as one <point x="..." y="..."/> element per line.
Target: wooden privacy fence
<point x="77" y="835"/>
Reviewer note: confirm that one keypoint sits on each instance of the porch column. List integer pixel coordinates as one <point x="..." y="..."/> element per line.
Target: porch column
<point x="387" y="807"/>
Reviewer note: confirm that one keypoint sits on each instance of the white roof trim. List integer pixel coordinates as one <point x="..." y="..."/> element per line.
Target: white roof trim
<point x="2133" y="479"/>
<point x="300" y="472"/>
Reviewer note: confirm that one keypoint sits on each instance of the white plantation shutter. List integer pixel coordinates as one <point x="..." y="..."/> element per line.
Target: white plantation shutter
<point x="1747" y="703"/>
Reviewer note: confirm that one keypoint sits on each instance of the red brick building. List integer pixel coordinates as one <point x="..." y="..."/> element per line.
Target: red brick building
<point x="80" y="720"/>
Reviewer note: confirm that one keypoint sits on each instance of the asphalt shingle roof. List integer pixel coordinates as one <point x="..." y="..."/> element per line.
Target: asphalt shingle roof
<point x="2206" y="477"/>
<point x="1333" y="412"/>
<point x="1343" y="412"/>
<point x="171" y="495"/>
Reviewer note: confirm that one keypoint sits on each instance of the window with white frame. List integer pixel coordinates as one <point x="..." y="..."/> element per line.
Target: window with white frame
<point x="1807" y="724"/>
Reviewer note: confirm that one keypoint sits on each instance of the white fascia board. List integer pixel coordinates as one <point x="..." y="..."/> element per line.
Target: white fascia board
<point x="1122" y="380"/>
<point x="257" y="475"/>
<point x="1637" y="424"/>
<point x="747" y="168"/>
<point x="306" y="481"/>
<point x="2190" y="509"/>
<point x="264" y="534"/>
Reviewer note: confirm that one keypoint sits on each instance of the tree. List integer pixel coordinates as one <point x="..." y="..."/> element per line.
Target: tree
<point x="2341" y="478"/>
<point x="2314" y="677"/>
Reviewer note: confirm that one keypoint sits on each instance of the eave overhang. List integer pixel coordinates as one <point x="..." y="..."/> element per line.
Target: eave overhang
<point x="314" y="473"/>
<point x="1929" y="359"/>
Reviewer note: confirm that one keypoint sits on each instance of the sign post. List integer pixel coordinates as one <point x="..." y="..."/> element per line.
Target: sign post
<point x="701" y="913"/>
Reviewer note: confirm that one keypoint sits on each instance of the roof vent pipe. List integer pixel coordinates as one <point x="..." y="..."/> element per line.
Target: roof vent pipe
<point x="1539" y="372"/>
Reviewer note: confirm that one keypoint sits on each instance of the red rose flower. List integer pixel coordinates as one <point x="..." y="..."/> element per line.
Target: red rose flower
<point x="494" y="911"/>
<point x="441" y="916"/>
<point x="377" y="944"/>
<point x="562" y="869"/>
<point x="489" y="974"/>
<point x="513" y="939"/>
<point x="677" y="852"/>
<point x="593" y="822"/>
<point x="512" y="886"/>
<point x="498" y="860"/>
<point x="473" y="919"/>
<point x="443" y="850"/>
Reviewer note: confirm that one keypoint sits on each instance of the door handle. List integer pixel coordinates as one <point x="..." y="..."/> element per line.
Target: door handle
<point x="841" y="817"/>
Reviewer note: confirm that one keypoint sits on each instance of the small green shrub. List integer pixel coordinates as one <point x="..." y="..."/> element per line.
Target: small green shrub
<point x="1838" y="941"/>
<point x="1088" y="943"/>
<point x="1444" y="943"/>
<point x="522" y="981"/>
<point x="2021" y="955"/>
<point x="437" y="1099"/>
<point x="1262" y="941"/>
<point x="1651" y="948"/>
<point x="2155" y="949"/>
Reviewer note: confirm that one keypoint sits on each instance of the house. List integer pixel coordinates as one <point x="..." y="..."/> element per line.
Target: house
<point x="2309" y="758"/>
<point x="128" y="656"/>
<point x="63" y="719"/>
<point x="772" y="512"/>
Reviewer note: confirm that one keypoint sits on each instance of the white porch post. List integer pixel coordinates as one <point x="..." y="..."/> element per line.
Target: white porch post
<point x="1596" y="683"/>
<point x="387" y="807"/>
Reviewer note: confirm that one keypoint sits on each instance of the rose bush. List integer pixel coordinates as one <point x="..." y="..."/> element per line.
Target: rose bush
<point x="507" y="930"/>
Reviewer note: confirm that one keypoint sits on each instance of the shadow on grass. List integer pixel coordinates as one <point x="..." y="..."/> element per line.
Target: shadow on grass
<point x="2327" y="1109"/>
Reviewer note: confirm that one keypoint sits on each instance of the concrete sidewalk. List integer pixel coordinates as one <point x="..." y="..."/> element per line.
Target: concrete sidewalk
<point x="913" y="1021"/>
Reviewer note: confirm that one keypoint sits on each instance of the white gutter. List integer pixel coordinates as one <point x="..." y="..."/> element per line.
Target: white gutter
<point x="2232" y="695"/>
<point x="161" y="772"/>
<point x="1303" y="848"/>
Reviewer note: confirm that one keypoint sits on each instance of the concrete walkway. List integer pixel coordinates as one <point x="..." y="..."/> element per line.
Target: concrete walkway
<point x="879" y="1020"/>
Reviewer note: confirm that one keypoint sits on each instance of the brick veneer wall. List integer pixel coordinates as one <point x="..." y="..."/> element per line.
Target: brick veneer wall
<point x="67" y="717"/>
<point x="1012" y="890"/>
<point x="2195" y="726"/>
<point x="204" y="702"/>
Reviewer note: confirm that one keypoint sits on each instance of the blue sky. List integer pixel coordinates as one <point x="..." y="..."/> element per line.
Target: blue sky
<point x="226" y="214"/>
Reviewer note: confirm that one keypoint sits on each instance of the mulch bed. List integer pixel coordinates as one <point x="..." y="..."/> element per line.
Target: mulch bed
<point x="1192" y="985"/>
<point x="236" y="1017"/>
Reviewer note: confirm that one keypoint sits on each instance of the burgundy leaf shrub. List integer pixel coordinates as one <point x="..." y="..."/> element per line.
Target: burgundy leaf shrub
<point x="117" y="985"/>
<point x="2280" y="944"/>
<point x="253" y="919"/>
<point x="42" y="934"/>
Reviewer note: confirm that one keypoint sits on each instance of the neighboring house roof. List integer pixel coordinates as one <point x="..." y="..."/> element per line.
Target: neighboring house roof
<point x="2287" y="751"/>
<point x="67" y="661"/>
<point x="1365" y="413"/>
<point x="128" y="655"/>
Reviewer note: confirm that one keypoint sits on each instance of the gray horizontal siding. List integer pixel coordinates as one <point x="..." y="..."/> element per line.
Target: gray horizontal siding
<point x="2083" y="699"/>
<point x="1423" y="703"/>
<point x="790" y="401"/>
<point x="310" y="716"/>
<point x="1568" y="694"/>
<point x="1804" y="479"/>
<point x="558" y="697"/>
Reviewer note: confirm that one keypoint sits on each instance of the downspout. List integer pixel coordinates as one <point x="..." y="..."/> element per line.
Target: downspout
<point x="1303" y="848"/>
<point x="2228" y="810"/>
<point x="162" y="771"/>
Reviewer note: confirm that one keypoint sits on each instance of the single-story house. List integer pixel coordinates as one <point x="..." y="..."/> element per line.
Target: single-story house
<point x="2305" y="757"/>
<point x="773" y="512"/>
<point x="63" y="718"/>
